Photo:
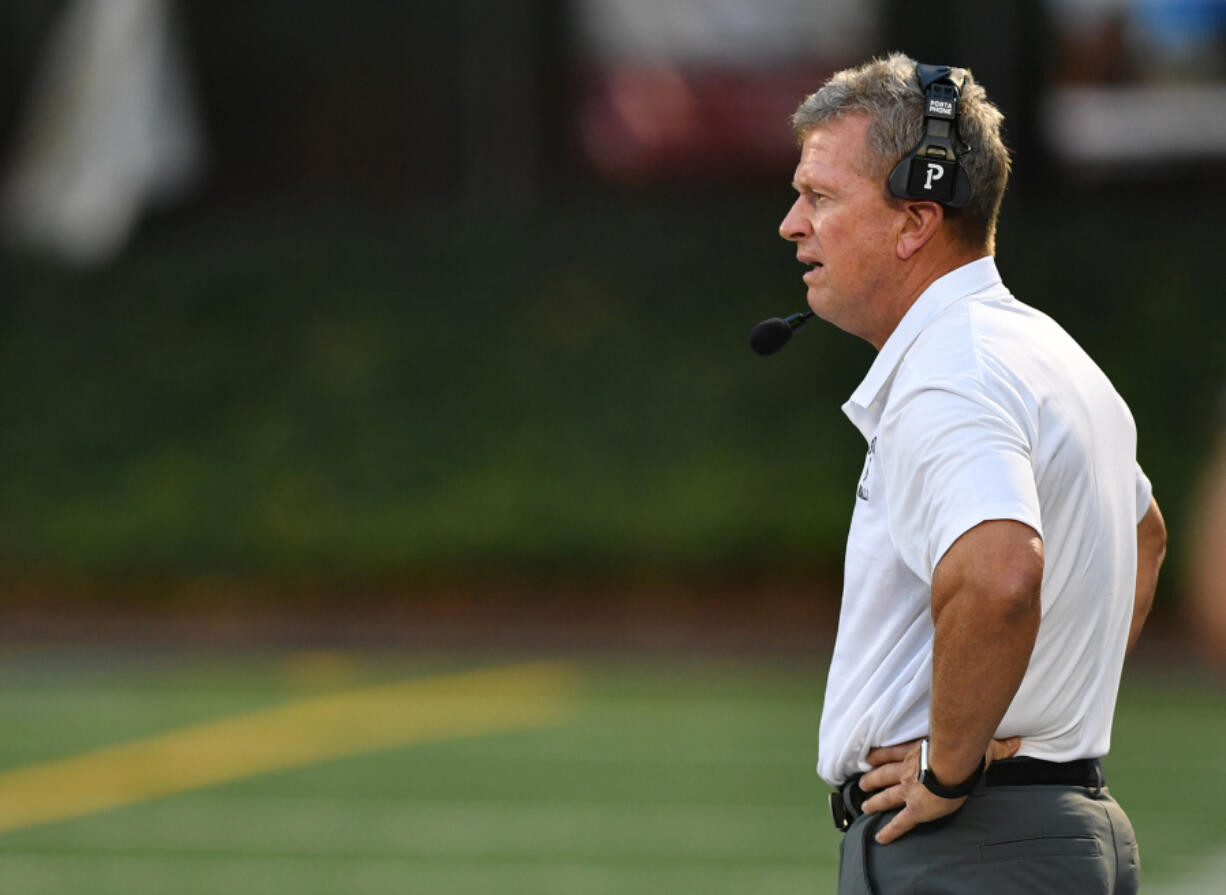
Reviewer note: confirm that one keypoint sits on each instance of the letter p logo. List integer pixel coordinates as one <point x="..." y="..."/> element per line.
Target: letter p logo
<point x="935" y="172"/>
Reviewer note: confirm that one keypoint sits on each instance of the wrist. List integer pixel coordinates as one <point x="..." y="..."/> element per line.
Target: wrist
<point x="951" y="775"/>
<point x="945" y="786"/>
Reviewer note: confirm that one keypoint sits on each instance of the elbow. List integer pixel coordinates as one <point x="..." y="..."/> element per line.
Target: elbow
<point x="1020" y="585"/>
<point x="1017" y="597"/>
<point x="1012" y="594"/>
<point x="993" y="573"/>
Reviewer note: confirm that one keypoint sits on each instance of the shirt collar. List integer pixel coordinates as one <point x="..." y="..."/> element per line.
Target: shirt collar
<point x="961" y="283"/>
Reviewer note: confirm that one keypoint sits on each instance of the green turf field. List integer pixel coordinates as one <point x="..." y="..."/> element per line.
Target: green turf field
<point x="649" y="775"/>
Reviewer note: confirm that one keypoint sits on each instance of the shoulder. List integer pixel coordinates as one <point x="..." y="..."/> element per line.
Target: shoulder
<point x="964" y="345"/>
<point x="972" y="355"/>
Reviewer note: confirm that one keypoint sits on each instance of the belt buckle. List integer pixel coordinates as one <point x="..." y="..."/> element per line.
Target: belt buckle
<point x="838" y="811"/>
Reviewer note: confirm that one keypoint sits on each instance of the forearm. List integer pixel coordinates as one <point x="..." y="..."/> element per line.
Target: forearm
<point x="980" y="654"/>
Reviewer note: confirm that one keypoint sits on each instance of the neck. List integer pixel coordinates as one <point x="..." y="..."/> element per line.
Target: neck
<point x="921" y="273"/>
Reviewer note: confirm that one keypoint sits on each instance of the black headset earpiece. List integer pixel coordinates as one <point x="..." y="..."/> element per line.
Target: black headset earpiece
<point x="931" y="170"/>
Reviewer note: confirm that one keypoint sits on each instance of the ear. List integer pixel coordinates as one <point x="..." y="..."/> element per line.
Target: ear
<point x="920" y="223"/>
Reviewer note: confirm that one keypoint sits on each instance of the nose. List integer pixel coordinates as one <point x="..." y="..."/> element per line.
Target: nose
<point x="794" y="227"/>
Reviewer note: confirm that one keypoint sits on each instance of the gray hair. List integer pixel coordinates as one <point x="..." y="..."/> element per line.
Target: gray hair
<point x="888" y="91"/>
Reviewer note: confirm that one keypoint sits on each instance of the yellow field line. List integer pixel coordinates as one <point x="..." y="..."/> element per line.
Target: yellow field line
<point x="289" y="736"/>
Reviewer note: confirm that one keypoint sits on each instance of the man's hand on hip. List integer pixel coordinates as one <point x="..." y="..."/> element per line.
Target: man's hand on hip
<point x="895" y="779"/>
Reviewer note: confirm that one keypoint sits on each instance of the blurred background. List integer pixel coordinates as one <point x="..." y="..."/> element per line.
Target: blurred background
<point x="351" y="342"/>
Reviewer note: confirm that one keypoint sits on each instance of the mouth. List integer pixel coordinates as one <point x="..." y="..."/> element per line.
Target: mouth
<point x="810" y="267"/>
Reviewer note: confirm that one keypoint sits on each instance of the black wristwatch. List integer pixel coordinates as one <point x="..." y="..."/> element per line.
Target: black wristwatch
<point x="934" y="786"/>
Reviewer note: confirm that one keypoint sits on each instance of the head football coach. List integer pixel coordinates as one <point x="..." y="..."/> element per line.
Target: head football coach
<point x="1004" y="544"/>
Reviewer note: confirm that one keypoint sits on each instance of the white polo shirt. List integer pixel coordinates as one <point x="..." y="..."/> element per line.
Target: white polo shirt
<point x="980" y="407"/>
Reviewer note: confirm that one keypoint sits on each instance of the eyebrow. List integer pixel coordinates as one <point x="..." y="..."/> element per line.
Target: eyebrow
<point x="813" y="188"/>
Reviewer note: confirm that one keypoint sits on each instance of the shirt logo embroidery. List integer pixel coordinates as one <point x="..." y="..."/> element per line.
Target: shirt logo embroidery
<point x="862" y="490"/>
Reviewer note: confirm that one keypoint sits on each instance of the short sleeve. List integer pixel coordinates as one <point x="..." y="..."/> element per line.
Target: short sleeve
<point x="952" y="458"/>
<point x="1145" y="493"/>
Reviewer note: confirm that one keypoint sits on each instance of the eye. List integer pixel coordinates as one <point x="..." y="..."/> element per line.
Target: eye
<point x="810" y="197"/>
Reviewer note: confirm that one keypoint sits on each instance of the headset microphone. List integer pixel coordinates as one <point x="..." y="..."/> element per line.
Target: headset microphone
<point x="772" y="334"/>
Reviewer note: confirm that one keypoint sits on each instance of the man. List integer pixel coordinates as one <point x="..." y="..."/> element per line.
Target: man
<point x="1004" y="545"/>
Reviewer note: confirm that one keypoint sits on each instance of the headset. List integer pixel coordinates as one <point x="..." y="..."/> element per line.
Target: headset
<point x="931" y="170"/>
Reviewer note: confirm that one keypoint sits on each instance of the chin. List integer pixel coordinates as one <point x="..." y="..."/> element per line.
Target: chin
<point x="819" y="307"/>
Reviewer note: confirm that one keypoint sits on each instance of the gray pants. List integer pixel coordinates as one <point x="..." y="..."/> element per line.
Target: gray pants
<point x="1003" y="841"/>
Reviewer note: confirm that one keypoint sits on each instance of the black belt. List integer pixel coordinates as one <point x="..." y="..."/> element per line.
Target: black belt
<point x="846" y="801"/>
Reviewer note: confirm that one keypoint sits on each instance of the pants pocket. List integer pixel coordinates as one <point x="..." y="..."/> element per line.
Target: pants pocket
<point x="1040" y="847"/>
<point x="1053" y="865"/>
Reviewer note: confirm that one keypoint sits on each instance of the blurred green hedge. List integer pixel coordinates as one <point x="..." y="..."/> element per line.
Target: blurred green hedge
<point x="452" y="393"/>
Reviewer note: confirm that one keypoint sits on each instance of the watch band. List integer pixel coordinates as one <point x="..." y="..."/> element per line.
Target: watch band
<point x="934" y="786"/>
